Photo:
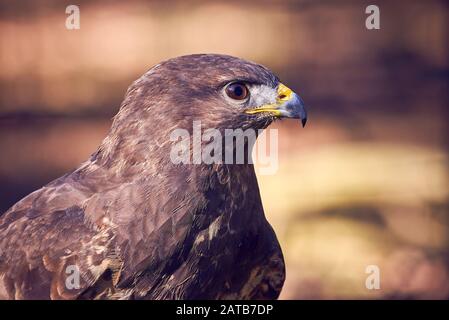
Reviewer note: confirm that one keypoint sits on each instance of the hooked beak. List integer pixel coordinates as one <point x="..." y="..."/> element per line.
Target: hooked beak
<point x="288" y="105"/>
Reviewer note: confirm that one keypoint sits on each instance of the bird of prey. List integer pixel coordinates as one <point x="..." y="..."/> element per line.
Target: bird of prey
<point x="130" y="224"/>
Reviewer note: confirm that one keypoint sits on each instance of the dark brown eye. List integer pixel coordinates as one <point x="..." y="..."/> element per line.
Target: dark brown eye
<point x="237" y="91"/>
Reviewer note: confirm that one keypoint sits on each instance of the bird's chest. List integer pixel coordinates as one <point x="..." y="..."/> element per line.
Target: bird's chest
<point x="237" y="263"/>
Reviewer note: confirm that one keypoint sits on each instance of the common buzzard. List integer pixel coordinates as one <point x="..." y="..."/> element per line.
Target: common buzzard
<point x="129" y="223"/>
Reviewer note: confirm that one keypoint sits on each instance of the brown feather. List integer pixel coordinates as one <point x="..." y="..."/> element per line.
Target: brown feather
<point x="137" y="226"/>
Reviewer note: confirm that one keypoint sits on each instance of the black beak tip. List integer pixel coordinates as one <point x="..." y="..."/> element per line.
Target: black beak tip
<point x="304" y="121"/>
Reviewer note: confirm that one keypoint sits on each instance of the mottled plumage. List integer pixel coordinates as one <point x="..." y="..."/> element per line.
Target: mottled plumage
<point x="136" y="225"/>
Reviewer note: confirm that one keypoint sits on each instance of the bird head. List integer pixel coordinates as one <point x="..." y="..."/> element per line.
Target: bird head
<point x="218" y="90"/>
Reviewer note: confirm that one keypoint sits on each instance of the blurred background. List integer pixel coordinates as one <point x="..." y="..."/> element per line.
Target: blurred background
<point x="365" y="183"/>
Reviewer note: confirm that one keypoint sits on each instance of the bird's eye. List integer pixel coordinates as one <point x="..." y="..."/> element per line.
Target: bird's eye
<point x="237" y="91"/>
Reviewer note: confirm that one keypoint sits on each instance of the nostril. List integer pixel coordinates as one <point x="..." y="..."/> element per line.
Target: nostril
<point x="282" y="96"/>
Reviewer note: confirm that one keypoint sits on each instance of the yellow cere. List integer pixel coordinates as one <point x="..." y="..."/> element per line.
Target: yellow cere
<point x="284" y="93"/>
